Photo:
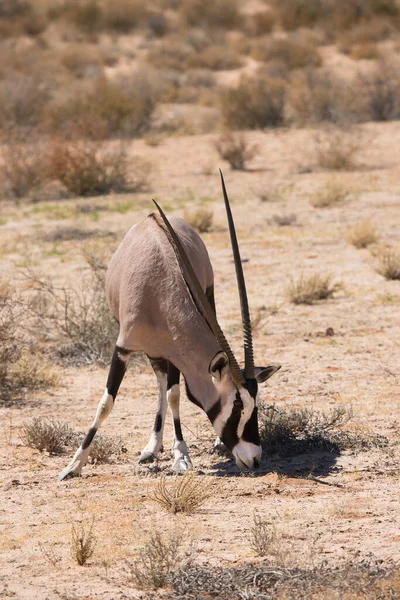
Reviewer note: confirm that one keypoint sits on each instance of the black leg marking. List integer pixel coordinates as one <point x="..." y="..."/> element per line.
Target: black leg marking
<point x="117" y="370"/>
<point x="89" y="437"/>
<point x="178" y="430"/>
<point x="158" y="423"/>
<point x="173" y="375"/>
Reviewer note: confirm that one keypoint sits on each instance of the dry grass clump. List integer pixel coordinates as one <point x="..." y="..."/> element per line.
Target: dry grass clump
<point x="23" y="101"/>
<point x="104" y="447"/>
<point x="295" y="430"/>
<point x="76" y="320"/>
<point x="24" y="169"/>
<point x="211" y="14"/>
<point x="200" y="218"/>
<point x="257" y="102"/>
<point x="285" y="220"/>
<point x="216" y="57"/>
<point x="160" y="557"/>
<point x="388" y="262"/>
<point x="260" y="22"/>
<point x="332" y="194"/>
<point x="82" y="61"/>
<point x="83" y="542"/>
<point x="94" y="16"/>
<point x="293" y="14"/>
<point x="185" y="495"/>
<point x="235" y="149"/>
<point x="263" y="537"/>
<point x="380" y="90"/>
<point x="293" y="53"/>
<point x="362" y="235"/>
<point x="87" y="168"/>
<point x="20" y="370"/>
<point x="364" y="34"/>
<point x="46" y="435"/>
<point x="336" y="149"/>
<point x="310" y="289"/>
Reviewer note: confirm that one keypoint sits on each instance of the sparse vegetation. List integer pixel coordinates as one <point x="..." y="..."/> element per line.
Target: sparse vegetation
<point x="310" y="289"/>
<point x="235" y="149"/>
<point x="47" y="435"/>
<point x="336" y="149"/>
<point x="185" y="495"/>
<point x="162" y="555"/>
<point x="257" y="102"/>
<point x="104" y="447"/>
<point x="333" y="193"/>
<point x="24" y="169"/>
<point x="83" y="541"/>
<point x="291" y="52"/>
<point x="263" y="536"/>
<point x="388" y="262"/>
<point x="362" y="235"/>
<point x="200" y="218"/>
<point x="285" y="220"/>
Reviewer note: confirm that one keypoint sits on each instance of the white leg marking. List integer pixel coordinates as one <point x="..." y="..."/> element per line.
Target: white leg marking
<point x="182" y="460"/>
<point x="154" y="445"/>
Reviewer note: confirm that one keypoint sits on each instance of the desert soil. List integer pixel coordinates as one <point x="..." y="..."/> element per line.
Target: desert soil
<point x="323" y="505"/>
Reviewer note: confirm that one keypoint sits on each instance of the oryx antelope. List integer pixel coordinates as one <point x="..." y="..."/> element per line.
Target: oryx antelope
<point x="159" y="287"/>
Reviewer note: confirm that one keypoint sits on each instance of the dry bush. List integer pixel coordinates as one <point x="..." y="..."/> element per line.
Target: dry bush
<point x="162" y="555"/>
<point x="82" y="60"/>
<point x="293" y="53"/>
<point x="200" y="218"/>
<point x="365" y="51"/>
<point x="23" y="100"/>
<point x="104" y="447"/>
<point x="83" y="542"/>
<point x="87" y="15"/>
<point x="257" y="102"/>
<point x="20" y="368"/>
<point x="336" y="149"/>
<point x="76" y="319"/>
<point x="172" y="53"/>
<point x="330" y="195"/>
<point x="293" y="14"/>
<point x="87" y="168"/>
<point x="19" y="17"/>
<point x="366" y="33"/>
<point x="49" y="554"/>
<point x="185" y="495"/>
<point x="296" y="430"/>
<point x="260" y="22"/>
<point x="124" y="15"/>
<point x="285" y="220"/>
<point x="104" y="109"/>
<point x="216" y="57"/>
<point x="315" y="96"/>
<point x="24" y="168"/>
<point x="388" y="262"/>
<point x="47" y="435"/>
<point x="263" y="537"/>
<point x="235" y="149"/>
<point x="310" y="289"/>
<point x="362" y="235"/>
<point x="211" y="14"/>
<point x="380" y="90"/>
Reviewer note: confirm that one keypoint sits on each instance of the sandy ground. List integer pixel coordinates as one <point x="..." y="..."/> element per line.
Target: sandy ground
<point x="323" y="505"/>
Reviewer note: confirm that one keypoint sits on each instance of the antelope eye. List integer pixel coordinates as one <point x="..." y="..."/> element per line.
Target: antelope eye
<point x="238" y="403"/>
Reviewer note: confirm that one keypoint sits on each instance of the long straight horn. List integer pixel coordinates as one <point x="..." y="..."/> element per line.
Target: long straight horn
<point x="206" y="308"/>
<point x="246" y="323"/>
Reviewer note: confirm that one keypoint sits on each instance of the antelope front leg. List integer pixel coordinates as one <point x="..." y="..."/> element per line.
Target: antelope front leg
<point x="182" y="460"/>
<point x="151" y="450"/>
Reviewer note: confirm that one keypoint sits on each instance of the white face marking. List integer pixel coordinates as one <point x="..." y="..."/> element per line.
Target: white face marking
<point x="228" y="395"/>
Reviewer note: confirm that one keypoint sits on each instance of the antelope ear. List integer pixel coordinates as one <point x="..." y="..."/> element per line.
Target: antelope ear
<point x="264" y="373"/>
<point x="219" y="365"/>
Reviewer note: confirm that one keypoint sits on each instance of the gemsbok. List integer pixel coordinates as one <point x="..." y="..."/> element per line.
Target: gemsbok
<point x="159" y="287"/>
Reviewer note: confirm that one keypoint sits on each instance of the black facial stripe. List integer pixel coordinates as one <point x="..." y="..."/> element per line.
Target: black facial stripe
<point x="191" y="397"/>
<point x="178" y="430"/>
<point x="229" y="433"/>
<point x="158" y="423"/>
<point x="250" y="431"/>
<point x="89" y="437"/>
<point x="214" y="411"/>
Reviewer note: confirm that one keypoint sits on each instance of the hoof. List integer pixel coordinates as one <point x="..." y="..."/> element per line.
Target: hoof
<point x="68" y="474"/>
<point x="182" y="464"/>
<point x="219" y="450"/>
<point x="146" y="457"/>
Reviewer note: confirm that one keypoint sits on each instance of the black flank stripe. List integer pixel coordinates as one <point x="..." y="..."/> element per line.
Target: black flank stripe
<point x="89" y="437"/>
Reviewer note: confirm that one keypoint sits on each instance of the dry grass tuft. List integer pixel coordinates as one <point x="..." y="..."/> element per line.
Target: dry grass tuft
<point x="235" y="149"/>
<point x="388" y="262"/>
<point x="46" y="435"/>
<point x="336" y="149"/>
<point x="163" y="554"/>
<point x="187" y="493"/>
<point x="263" y="537"/>
<point x="310" y="289"/>
<point x="211" y="14"/>
<point x="83" y="542"/>
<point x="104" y="447"/>
<point x="330" y="195"/>
<point x="291" y="52"/>
<point x="285" y="220"/>
<point x="200" y="218"/>
<point x="257" y="102"/>
<point x="362" y="235"/>
<point x="24" y="169"/>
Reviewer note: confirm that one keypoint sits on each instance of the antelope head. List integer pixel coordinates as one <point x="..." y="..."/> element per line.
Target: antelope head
<point x="234" y="415"/>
